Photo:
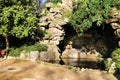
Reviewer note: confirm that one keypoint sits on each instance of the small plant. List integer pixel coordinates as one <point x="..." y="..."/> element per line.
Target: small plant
<point x="55" y="5"/>
<point x="72" y="68"/>
<point x="116" y="54"/>
<point x="116" y="58"/>
<point x="66" y="14"/>
<point x="107" y="64"/>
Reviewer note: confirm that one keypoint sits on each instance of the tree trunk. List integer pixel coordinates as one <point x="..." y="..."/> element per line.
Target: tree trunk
<point x="7" y="42"/>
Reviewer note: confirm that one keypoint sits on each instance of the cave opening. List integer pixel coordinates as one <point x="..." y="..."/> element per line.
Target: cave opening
<point x="101" y="38"/>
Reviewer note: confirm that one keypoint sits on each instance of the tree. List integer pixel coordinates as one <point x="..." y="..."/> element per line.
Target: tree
<point x="89" y="12"/>
<point x="17" y="18"/>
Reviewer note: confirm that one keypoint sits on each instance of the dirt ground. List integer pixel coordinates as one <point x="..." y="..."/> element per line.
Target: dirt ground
<point x="26" y="70"/>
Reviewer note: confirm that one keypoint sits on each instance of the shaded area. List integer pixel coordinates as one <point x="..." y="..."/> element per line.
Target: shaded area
<point x="102" y="39"/>
<point x="69" y="33"/>
<point x="109" y="39"/>
<point x="84" y="63"/>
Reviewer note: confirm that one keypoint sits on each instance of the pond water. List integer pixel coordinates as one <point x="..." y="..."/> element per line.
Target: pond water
<point x="82" y="63"/>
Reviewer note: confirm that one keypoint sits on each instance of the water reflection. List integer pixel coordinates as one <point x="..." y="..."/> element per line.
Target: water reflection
<point x="83" y="63"/>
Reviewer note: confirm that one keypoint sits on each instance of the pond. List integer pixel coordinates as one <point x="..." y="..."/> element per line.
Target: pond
<point x="82" y="63"/>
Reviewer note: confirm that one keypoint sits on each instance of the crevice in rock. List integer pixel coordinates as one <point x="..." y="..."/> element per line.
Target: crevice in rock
<point x="109" y="39"/>
<point x="69" y="32"/>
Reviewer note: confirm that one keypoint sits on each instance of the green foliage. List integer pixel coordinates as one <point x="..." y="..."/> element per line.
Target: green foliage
<point x="66" y="14"/>
<point x="36" y="47"/>
<point x="54" y="1"/>
<point x="116" y="57"/>
<point x="14" y="52"/>
<point x="72" y="68"/>
<point x="118" y="66"/>
<point x="89" y="12"/>
<point x="116" y="54"/>
<point x="55" y="5"/>
<point x="17" y="18"/>
<point x="107" y="64"/>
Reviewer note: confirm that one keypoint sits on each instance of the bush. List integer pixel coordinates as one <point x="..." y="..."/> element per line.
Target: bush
<point x="36" y="47"/>
<point x="14" y="52"/>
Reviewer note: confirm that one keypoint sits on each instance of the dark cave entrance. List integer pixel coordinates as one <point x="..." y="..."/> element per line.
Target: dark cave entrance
<point x="102" y="38"/>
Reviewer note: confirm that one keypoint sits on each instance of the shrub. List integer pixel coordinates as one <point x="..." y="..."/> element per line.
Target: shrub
<point x="36" y="47"/>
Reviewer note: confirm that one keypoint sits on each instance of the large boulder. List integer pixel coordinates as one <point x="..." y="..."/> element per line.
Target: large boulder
<point x="65" y="53"/>
<point x="53" y="53"/>
<point x="43" y="56"/>
<point x="34" y="55"/>
<point x="24" y="55"/>
<point x="73" y="53"/>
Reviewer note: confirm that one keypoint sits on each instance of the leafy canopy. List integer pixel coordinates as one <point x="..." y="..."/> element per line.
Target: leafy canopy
<point x="17" y="18"/>
<point x="89" y="12"/>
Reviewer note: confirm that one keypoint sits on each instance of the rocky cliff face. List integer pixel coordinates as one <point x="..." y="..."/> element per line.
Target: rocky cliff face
<point x="52" y="23"/>
<point x="55" y="16"/>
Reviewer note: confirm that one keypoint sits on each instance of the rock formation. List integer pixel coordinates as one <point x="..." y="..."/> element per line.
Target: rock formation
<point x="52" y="24"/>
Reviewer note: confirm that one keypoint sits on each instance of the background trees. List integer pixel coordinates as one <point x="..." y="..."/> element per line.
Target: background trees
<point x="89" y="12"/>
<point x="17" y="18"/>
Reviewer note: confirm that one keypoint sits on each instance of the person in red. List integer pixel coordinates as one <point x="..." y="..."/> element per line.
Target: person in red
<point x="2" y="53"/>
